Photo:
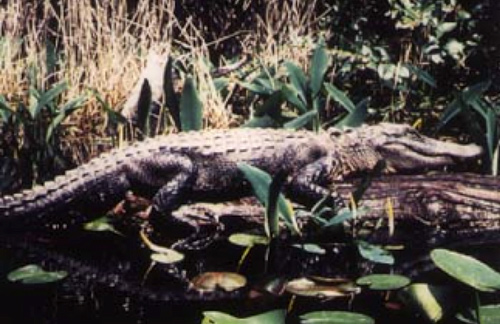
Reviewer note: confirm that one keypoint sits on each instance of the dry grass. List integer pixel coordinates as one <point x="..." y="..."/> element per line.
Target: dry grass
<point x="104" y="47"/>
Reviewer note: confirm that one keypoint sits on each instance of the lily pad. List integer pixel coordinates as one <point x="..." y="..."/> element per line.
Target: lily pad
<point x="34" y="274"/>
<point x="375" y="253"/>
<point x="311" y="248"/>
<point x="467" y="270"/>
<point x="335" y="317"/>
<point x="211" y="281"/>
<point x="383" y="281"/>
<point x="243" y="239"/>
<point x="272" y="317"/>
<point x="167" y="257"/>
<point x="431" y="302"/>
<point x="309" y="288"/>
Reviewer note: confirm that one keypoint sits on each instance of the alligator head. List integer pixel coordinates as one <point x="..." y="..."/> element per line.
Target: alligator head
<point x="402" y="147"/>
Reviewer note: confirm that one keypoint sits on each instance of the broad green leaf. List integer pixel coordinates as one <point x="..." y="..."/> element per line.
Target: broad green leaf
<point x="321" y="289"/>
<point x="34" y="274"/>
<point x="310" y="248"/>
<point x="47" y="98"/>
<point x="102" y="224"/>
<point x="265" y="121"/>
<point x="5" y="110"/>
<point x="342" y="216"/>
<point x="271" y="317"/>
<point x="431" y="302"/>
<point x="272" y="106"/>
<point x="247" y="240"/>
<point x="272" y="216"/>
<point x="422" y="75"/>
<point x="384" y="281"/>
<point x="467" y="270"/>
<point x="455" y="49"/>
<point x="302" y="120"/>
<point x="65" y="111"/>
<point x="211" y="281"/>
<point x="298" y="80"/>
<point x="144" y="108"/>
<point x="444" y="28"/>
<point x="170" y="96"/>
<point x="490" y="314"/>
<point x="335" y="317"/>
<point x="190" y="107"/>
<point x="255" y="88"/>
<point x="169" y="257"/>
<point x="292" y="96"/>
<point x="319" y="65"/>
<point x="357" y="117"/>
<point x="374" y="253"/>
<point x="340" y="97"/>
<point x="261" y="182"/>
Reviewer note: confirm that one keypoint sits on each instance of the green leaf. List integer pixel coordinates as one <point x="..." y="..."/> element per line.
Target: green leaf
<point x="490" y="314"/>
<point x="167" y="256"/>
<point x="422" y="75"/>
<point x="310" y="248"/>
<point x="270" y="317"/>
<point x="265" y="121"/>
<point x="302" y="120"/>
<point x="256" y="88"/>
<point x="357" y="117"/>
<point x="5" y="110"/>
<point x="50" y="57"/>
<point x="45" y="99"/>
<point x="384" y="281"/>
<point x="144" y="108"/>
<point x="191" y="107"/>
<point x="335" y="317"/>
<point x="170" y="96"/>
<point x="467" y="269"/>
<point x="65" y="111"/>
<point x="34" y="274"/>
<point x="102" y="224"/>
<point x="247" y="240"/>
<point x="340" y="97"/>
<point x="114" y="116"/>
<point x="298" y="80"/>
<point x="272" y="106"/>
<point x="319" y="65"/>
<point x="292" y="96"/>
<point x="431" y="302"/>
<point x="272" y="215"/>
<point x="261" y="182"/>
<point x="374" y="253"/>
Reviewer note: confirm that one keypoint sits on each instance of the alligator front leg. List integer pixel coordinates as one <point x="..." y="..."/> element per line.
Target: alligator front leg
<point x="167" y="178"/>
<point x="310" y="184"/>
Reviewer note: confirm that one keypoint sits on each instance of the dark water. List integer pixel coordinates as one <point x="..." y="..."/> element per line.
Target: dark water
<point x="107" y="283"/>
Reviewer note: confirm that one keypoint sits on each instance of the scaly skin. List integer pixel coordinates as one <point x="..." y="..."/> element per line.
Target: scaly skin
<point x="175" y="169"/>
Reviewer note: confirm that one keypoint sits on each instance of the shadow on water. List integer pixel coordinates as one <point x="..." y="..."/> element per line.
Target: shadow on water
<point x="107" y="281"/>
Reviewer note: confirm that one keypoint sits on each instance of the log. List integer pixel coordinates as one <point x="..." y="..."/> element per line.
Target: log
<point x="433" y="209"/>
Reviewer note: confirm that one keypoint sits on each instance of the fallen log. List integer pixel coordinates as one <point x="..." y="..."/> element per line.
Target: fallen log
<point x="430" y="209"/>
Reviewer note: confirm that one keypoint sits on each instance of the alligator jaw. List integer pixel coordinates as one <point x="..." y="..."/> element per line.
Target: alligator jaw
<point x="406" y="153"/>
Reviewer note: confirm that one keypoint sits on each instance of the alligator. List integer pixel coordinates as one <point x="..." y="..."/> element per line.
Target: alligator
<point x="198" y="166"/>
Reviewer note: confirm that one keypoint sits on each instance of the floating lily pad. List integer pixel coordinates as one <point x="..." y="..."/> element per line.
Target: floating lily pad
<point x="383" y="281"/>
<point x="467" y="270"/>
<point x="311" y="248"/>
<point x="34" y="274"/>
<point x="211" y="281"/>
<point x="375" y="253"/>
<point x="243" y="239"/>
<point x="335" y="317"/>
<point x="309" y="288"/>
<point x="490" y="314"/>
<point x="272" y="317"/>
<point x="167" y="257"/>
